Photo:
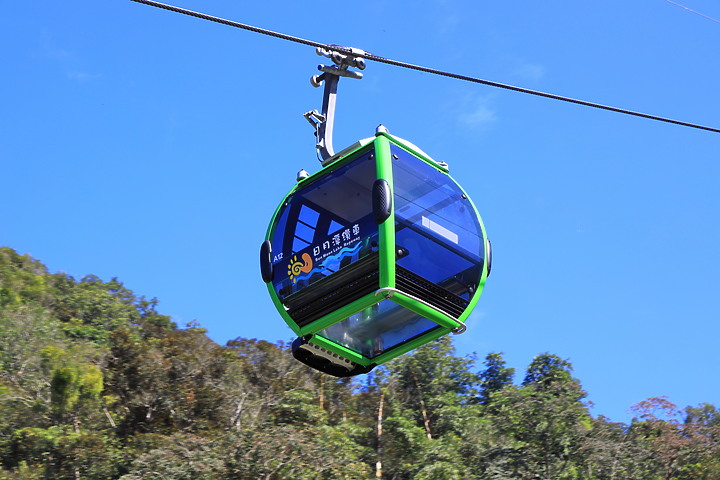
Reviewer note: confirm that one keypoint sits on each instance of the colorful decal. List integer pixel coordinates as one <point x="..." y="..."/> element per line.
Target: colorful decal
<point x="325" y="255"/>
<point x="336" y="242"/>
<point x="295" y="267"/>
<point x="331" y="262"/>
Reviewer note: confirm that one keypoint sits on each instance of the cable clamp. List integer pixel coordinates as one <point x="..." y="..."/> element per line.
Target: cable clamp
<point x="344" y="56"/>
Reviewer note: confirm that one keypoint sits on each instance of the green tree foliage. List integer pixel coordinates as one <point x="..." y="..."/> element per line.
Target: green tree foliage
<point x="178" y="456"/>
<point x="546" y="370"/>
<point x="23" y="280"/>
<point x="495" y="377"/>
<point x="705" y="414"/>
<point x="680" y="450"/>
<point x="541" y="430"/>
<point x="96" y="384"/>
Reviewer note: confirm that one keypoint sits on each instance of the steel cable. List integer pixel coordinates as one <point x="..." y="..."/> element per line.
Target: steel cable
<point x="369" y="56"/>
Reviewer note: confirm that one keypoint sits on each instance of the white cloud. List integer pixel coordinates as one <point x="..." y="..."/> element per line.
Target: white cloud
<point x="83" y="77"/>
<point x="52" y="50"/>
<point x="478" y="113"/>
<point x="67" y="60"/>
<point x="530" y="71"/>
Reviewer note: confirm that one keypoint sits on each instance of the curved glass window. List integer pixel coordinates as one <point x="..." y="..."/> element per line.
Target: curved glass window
<point x="324" y="227"/>
<point x="437" y="230"/>
<point x="378" y="329"/>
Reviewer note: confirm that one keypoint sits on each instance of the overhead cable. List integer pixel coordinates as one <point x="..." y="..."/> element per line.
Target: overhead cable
<point x="370" y="56"/>
<point x="693" y="11"/>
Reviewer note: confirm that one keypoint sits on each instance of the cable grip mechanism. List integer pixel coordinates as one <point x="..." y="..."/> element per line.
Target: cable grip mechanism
<point x="323" y="122"/>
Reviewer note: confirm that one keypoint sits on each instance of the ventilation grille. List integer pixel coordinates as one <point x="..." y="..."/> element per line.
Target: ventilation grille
<point x="438" y="297"/>
<point x="326" y="361"/>
<point x="334" y="291"/>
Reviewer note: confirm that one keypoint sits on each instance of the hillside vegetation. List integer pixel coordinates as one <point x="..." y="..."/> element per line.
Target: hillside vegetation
<point x="95" y="383"/>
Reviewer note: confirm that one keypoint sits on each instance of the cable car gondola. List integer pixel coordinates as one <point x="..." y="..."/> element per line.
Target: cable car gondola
<point x="378" y="253"/>
<point x="342" y="329"/>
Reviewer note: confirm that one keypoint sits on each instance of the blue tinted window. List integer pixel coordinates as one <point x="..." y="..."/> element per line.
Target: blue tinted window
<point x="378" y="329"/>
<point x="325" y="226"/>
<point x="334" y="227"/>
<point x="299" y="244"/>
<point x="308" y="216"/>
<point x="436" y="226"/>
<point x="305" y="233"/>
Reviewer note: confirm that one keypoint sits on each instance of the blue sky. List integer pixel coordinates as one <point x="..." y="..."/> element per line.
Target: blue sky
<point x="154" y="147"/>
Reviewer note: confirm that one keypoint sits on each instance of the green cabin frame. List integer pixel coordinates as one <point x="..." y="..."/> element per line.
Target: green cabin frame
<point x="378" y="253"/>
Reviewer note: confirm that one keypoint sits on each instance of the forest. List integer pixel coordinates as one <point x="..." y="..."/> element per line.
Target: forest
<point x="95" y="383"/>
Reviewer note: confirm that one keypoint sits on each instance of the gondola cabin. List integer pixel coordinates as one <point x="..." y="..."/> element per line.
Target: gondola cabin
<point x="374" y="255"/>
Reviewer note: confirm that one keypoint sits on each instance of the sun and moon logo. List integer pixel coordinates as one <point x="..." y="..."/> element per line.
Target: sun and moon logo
<point x="296" y="267"/>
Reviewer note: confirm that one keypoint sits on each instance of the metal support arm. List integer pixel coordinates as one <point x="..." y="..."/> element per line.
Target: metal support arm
<point x="324" y="121"/>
